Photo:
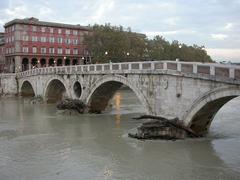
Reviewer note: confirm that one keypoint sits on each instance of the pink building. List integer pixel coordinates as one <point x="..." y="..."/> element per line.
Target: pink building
<point x="2" y="52"/>
<point x="30" y="43"/>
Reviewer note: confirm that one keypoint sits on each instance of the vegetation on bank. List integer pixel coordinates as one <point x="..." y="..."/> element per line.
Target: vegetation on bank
<point x="113" y="43"/>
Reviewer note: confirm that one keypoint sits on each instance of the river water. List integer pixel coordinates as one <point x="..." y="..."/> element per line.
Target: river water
<point x="38" y="143"/>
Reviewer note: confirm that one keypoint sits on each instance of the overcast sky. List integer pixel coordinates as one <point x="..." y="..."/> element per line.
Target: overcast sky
<point x="212" y="23"/>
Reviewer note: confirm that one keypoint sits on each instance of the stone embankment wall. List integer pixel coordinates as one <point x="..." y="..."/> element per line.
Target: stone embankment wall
<point x="8" y="84"/>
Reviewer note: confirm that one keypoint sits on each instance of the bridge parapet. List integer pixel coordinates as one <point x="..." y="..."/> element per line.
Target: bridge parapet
<point x="204" y="69"/>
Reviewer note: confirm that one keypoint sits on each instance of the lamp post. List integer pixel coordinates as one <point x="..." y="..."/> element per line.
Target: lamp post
<point x="83" y="60"/>
<point x="179" y="52"/>
<point x="128" y="54"/>
<point x="106" y="54"/>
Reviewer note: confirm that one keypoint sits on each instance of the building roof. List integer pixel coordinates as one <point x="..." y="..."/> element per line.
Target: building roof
<point x="35" y="21"/>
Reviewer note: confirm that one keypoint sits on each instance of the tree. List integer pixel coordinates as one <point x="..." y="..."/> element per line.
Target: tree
<point x="120" y="45"/>
<point x="123" y="45"/>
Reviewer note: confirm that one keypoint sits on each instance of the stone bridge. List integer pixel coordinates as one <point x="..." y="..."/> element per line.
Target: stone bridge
<point x="193" y="92"/>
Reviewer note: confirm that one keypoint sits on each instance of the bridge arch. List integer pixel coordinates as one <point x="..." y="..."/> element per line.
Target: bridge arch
<point x="104" y="89"/>
<point x="55" y="90"/>
<point x="77" y="89"/>
<point x="204" y="109"/>
<point x="26" y="89"/>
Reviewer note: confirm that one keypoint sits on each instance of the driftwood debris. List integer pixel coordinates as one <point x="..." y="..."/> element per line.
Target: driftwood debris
<point x="72" y="104"/>
<point x="162" y="128"/>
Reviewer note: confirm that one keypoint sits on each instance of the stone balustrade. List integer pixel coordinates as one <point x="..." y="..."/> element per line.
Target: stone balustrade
<point x="205" y="69"/>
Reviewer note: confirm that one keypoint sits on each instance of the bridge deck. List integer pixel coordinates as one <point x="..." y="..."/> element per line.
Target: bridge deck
<point x="212" y="71"/>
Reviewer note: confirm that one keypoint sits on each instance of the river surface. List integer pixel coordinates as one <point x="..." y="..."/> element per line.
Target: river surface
<point x="39" y="143"/>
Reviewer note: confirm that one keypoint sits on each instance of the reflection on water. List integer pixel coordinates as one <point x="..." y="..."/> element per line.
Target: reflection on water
<point x="37" y="143"/>
<point x="117" y="103"/>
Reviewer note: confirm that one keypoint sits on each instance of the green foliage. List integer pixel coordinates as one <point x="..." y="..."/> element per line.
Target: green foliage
<point x="123" y="45"/>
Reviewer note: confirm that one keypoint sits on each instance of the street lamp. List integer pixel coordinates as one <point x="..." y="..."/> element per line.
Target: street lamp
<point x="180" y="46"/>
<point x="128" y="53"/>
<point x="106" y="53"/>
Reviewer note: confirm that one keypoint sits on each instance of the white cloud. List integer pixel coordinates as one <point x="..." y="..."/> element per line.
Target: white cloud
<point x="168" y="33"/>
<point x="101" y="9"/>
<point x="219" y="36"/>
<point x="45" y="10"/>
<point x="172" y="21"/>
<point x="228" y="26"/>
<point x="18" y="11"/>
<point x="224" y="54"/>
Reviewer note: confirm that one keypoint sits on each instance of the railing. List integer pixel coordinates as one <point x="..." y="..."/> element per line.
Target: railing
<point x="2" y="75"/>
<point x="211" y="69"/>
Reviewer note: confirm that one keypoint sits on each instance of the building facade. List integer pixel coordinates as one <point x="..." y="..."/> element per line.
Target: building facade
<point x="2" y="52"/>
<point x="30" y="43"/>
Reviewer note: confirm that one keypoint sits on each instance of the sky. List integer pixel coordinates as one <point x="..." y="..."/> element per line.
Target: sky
<point x="214" y="24"/>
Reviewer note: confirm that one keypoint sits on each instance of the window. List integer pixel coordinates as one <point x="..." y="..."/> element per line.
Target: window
<point x="25" y="38"/>
<point x="34" y="28"/>
<point x="12" y="38"/>
<point x="59" y="31"/>
<point x="12" y="49"/>
<point x="13" y="28"/>
<point x="51" y="50"/>
<point x="43" y="50"/>
<point x="59" y="40"/>
<point x="25" y="49"/>
<point x="43" y="29"/>
<point x="68" y="41"/>
<point x="51" y="39"/>
<point x="67" y="31"/>
<point x="34" y="38"/>
<point x="75" y="51"/>
<point x="34" y="50"/>
<point x="51" y="30"/>
<point x="75" y="32"/>
<point x="43" y="39"/>
<point x="75" y="41"/>
<point x="67" y="51"/>
<point x="59" y="50"/>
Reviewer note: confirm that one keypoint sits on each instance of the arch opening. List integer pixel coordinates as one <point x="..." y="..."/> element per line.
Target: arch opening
<point x="43" y="62"/>
<point x="77" y="88"/>
<point x="27" y="90"/>
<point x="75" y="62"/>
<point x="67" y="62"/>
<point x="55" y="91"/>
<point x="202" y="119"/>
<point x="25" y="64"/>
<point x="34" y="62"/>
<point x="51" y="62"/>
<point x="110" y="92"/>
<point x="59" y="62"/>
